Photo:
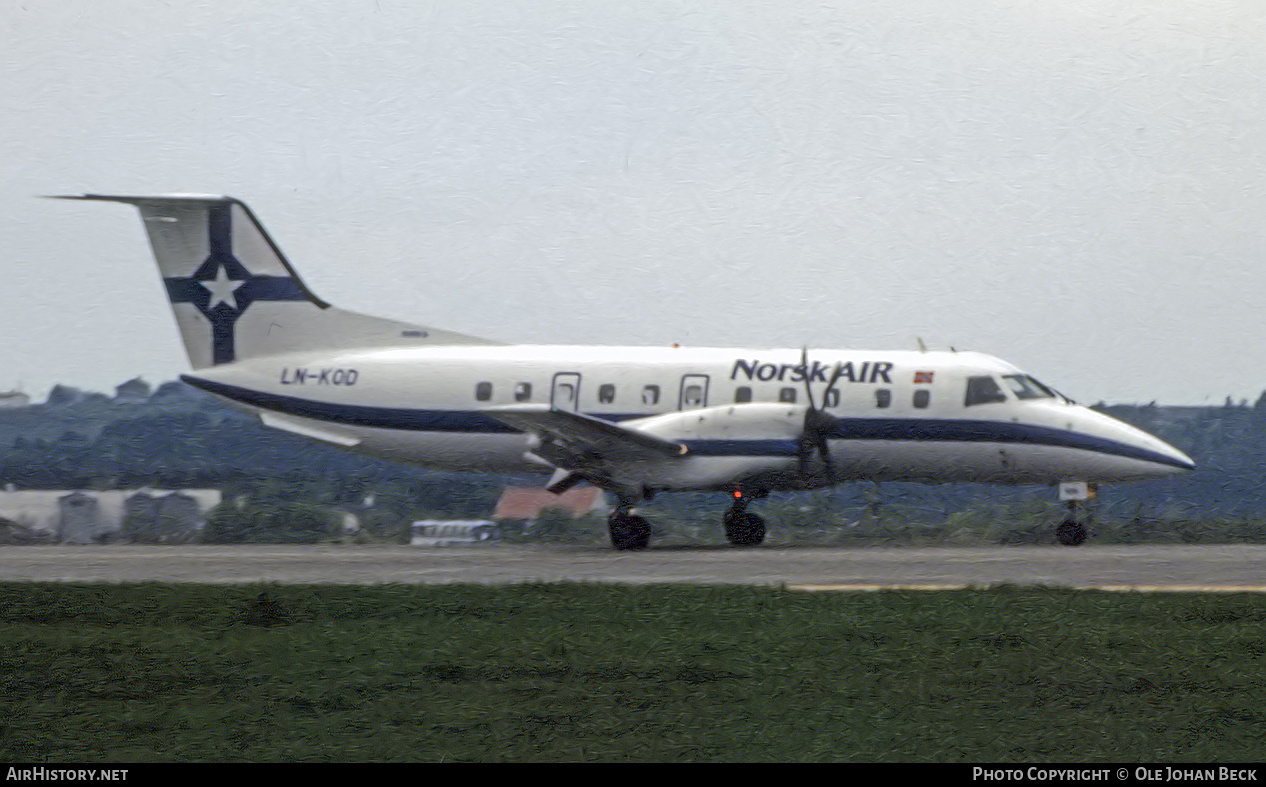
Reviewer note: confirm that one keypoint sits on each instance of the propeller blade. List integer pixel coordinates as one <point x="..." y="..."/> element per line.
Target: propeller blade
<point x="835" y="378"/>
<point x="804" y="452"/>
<point x="804" y="366"/>
<point x="817" y="426"/>
<point x="817" y="423"/>
<point x="825" y="450"/>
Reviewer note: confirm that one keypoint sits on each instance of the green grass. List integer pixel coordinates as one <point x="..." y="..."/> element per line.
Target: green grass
<point x="574" y="672"/>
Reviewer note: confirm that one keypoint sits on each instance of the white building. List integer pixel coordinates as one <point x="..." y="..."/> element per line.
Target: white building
<point x="85" y="517"/>
<point x="10" y="399"/>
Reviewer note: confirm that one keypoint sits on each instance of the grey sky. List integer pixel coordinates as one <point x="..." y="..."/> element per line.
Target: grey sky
<point x="1074" y="186"/>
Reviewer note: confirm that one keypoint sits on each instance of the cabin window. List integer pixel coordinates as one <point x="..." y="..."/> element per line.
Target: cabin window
<point x="787" y="395"/>
<point x="483" y="392"/>
<point x="742" y="394"/>
<point x="606" y="393"/>
<point x="983" y="390"/>
<point x="883" y="397"/>
<point x="650" y="394"/>
<point x="692" y="396"/>
<point x="522" y="392"/>
<point x="922" y="397"/>
<point x="832" y="398"/>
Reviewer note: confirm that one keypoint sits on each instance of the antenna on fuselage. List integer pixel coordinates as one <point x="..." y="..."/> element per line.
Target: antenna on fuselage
<point x="922" y="347"/>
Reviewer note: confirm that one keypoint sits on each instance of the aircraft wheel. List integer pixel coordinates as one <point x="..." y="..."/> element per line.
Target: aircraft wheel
<point x="629" y="531"/>
<point x="744" y="529"/>
<point x="1071" y="533"/>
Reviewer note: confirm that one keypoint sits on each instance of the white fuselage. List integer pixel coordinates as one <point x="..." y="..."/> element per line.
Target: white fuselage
<point x="901" y="415"/>
<point x="633" y="421"/>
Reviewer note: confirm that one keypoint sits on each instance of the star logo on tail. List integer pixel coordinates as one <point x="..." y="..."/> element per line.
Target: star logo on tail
<point x="223" y="289"/>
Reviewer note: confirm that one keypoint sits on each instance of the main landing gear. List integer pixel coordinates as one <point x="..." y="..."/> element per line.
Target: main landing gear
<point x="744" y="529"/>
<point x="628" y="530"/>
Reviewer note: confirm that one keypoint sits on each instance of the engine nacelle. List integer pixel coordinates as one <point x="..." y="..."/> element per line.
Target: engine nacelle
<point x="754" y="421"/>
<point x="726" y="445"/>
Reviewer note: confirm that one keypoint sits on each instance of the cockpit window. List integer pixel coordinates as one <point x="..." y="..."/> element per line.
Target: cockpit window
<point x="982" y="390"/>
<point x="1048" y="391"/>
<point x="1025" y="387"/>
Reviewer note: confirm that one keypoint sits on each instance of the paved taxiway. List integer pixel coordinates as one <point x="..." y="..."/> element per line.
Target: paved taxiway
<point x="1225" y="568"/>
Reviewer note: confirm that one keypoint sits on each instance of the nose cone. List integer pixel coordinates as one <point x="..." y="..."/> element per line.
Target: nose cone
<point x="1147" y="455"/>
<point x="1174" y="461"/>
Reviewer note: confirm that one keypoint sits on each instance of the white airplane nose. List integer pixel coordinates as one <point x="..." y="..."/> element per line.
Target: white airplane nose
<point x="1166" y="459"/>
<point x="1169" y="460"/>
<point x="1153" y="457"/>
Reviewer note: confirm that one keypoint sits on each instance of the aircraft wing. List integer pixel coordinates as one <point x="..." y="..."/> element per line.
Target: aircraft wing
<point x="583" y="439"/>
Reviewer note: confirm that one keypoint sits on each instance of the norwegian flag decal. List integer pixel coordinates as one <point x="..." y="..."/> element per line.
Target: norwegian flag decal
<point x="923" y="377"/>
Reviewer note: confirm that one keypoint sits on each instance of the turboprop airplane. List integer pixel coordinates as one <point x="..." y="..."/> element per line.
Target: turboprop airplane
<point x="634" y="421"/>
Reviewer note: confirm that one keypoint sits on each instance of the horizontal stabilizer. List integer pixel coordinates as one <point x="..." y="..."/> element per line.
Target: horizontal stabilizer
<point x="301" y="427"/>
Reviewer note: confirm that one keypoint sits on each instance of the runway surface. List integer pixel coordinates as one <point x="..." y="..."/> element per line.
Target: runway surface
<point x="1173" y="568"/>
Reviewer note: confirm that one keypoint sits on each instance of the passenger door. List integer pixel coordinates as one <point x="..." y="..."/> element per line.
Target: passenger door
<point x="694" y="392"/>
<point x="565" y="392"/>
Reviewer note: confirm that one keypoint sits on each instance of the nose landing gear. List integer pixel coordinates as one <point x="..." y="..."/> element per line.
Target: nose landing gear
<point x="1072" y="531"/>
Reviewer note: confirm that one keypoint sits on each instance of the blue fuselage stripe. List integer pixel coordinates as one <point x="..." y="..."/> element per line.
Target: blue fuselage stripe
<point x="885" y="429"/>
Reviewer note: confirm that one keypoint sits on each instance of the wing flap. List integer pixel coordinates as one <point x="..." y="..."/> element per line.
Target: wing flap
<point x="584" y="436"/>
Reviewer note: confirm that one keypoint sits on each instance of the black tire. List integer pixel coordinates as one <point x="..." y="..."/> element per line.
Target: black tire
<point x="744" y="530"/>
<point x="629" y="531"/>
<point x="1071" y="533"/>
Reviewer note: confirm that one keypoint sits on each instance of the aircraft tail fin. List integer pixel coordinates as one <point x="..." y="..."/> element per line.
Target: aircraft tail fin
<point x="234" y="294"/>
